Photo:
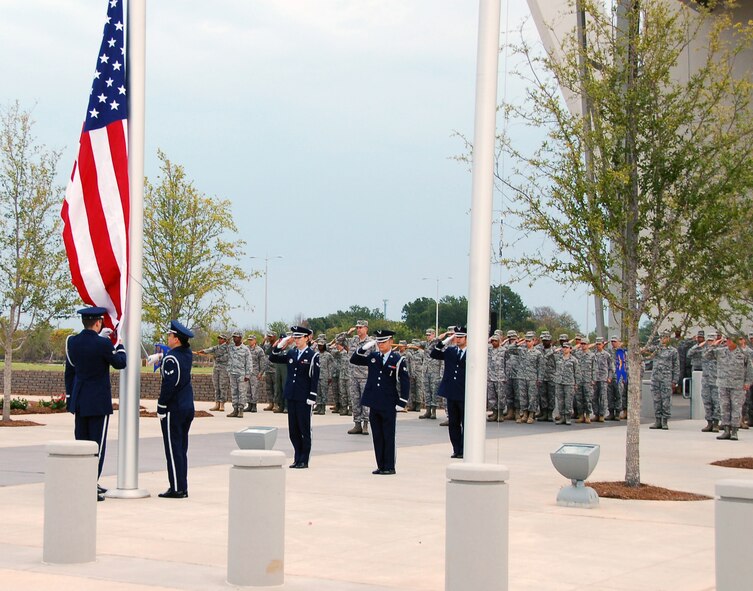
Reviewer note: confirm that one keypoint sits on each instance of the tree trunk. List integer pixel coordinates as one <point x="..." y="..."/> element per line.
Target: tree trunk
<point x="632" y="440"/>
<point x="7" y="375"/>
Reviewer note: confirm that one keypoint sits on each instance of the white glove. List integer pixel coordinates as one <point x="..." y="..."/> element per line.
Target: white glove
<point x="153" y="359"/>
<point x="105" y="332"/>
<point x="448" y="340"/>
<point x="399" y="408"/>
<point x="283" y="343"/>
<point x="310" y="402"/>
<point x="368" y="345"/>
<point x="161" y="416"/>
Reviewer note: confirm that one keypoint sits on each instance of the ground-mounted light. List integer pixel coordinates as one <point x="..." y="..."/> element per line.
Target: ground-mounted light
<point x="576" y="461"/>
<point x="256" y="437"/>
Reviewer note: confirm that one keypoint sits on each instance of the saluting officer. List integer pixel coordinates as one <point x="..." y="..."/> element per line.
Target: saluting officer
<point x="386" y="392"/>
<point x="452" y="387"/>
<point x="300" y="389"/>
<point x="88" y="358"/>
<point x="175" y="408"/>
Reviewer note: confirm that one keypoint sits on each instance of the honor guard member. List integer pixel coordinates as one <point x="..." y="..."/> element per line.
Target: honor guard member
<point x="451" y="349"/>
<point x="175" y="408"/>
<point x="88" y="358"/>
<point x="386" y="393"/>
<point x="300" y="389"/>
<point x="220" y="378"/>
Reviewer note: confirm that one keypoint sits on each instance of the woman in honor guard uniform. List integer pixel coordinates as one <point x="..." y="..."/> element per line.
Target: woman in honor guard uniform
<point x="300" y="389"/>
<point x="452" y="387"/>
<point x="175" y="408"/>
<point x="386" y="368"/>
<point x="88" y="358"/>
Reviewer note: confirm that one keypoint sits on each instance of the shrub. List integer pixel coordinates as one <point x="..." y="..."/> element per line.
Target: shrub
<point x="19" y="404"/>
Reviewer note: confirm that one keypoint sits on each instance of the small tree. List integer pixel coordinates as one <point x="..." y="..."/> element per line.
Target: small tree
<point x="34" y="283"/>
<point x="658" y="206"/>
<point x="190" y="256"/>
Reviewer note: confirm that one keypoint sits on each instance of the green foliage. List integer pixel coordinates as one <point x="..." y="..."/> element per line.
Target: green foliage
<point x="19" y="404"/>
<point x="507" y="309"/>
<point x="545" y="318"/>
<point x="191" y="255"/>
<point x="55" y="402"/>
<point x="343" y="320"/>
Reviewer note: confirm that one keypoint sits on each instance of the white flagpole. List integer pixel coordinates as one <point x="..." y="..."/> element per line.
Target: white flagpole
<point x="130" y="378"/>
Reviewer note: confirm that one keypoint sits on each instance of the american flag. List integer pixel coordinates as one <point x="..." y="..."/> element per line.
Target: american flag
<point x="96" y="209"/>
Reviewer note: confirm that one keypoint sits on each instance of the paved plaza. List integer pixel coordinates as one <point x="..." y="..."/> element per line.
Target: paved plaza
<point x="347" y="529"/>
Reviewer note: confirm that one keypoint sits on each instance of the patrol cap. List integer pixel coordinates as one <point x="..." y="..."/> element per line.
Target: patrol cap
<point x="460" y="331"/>
<point x="511" y="334"/>
<point x="222" y="336"/>
<point x="362" y="323"/>
<point x="321" y="341"/>
<point x="452" y="328"/>
<point x="430" y="331"/>
<point x="270" y="333"/>
<point x="580" y="336"/>
<point x="300" y="331"/>
<point x="403" y="343"/>
<point x="93" y="312"/>
<point x="564" y="337"/>
<point x="495" y="337"/>
<point x="251" y="337"/>
<point x="383" y="335"/>
<point x="613" y="338"/>
<point x="545" y="336"/>
<point x="530" y="335"/>
<point x="750" y="335"/>
<point x="498" y="332"/>
<point x="583" y="340"/>
<point x="703" y="334"/>
<point x="567" y="345"/>
<point x="179" y="329"/>
<point x="665" y="333"/>
<point x="599" y="340"/>
<point x="237" y="333"/>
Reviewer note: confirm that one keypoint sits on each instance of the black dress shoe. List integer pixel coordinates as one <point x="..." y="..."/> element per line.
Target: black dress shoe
<point x="100" y="497"/>
<point x="387" y="472"/>
<point x="377" y="471"/>
<point x="173" y="494"/>
<point x="294" y="465"/>
<point x="300" y="465"/>
<point x="101" y="490"/>
<point x="458" y="456"/>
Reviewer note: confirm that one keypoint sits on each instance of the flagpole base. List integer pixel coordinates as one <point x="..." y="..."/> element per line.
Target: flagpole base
<point x="127" y="493"/>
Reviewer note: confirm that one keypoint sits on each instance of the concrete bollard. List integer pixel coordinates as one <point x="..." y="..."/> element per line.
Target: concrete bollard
<point x="70" y="502"/>
<point x="696" y="400"/>
<point x="733" y="520"/>
<point x="256" y="518"/>
<point x="477" y="527"/>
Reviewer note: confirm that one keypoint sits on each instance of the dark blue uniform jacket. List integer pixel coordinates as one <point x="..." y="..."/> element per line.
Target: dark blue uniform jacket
<point x="176" y="393"/>
<point x="88" y="358"/>
<point x="452" y="385"/>
<point x="381" y="391"/>
<point x="303" y="372"/>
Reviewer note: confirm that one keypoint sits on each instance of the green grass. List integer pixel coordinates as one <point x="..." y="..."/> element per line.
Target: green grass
<point x="61" y="367"/>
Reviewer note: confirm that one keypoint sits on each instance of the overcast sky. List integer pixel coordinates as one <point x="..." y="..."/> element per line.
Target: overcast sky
<point x="329" y="124"/>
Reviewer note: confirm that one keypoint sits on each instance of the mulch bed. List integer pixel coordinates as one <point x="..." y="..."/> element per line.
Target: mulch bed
<point x="644" y="492"/>
<point x="197" y="414"/>
<point x="19" y="423"/>
<point x="35" y="408"/>
<point x="735" y="463"/>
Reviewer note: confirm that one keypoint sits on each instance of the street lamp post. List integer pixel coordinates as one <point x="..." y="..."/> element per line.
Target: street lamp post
<point x="436" y="316"/>
<point x="266" y="283"/>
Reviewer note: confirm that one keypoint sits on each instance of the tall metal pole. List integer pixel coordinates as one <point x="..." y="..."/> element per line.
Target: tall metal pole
<point x="481" y="229"/>
<point x="266" y="283"/>
<point x="130" y="378"/>
<point x="436" y="315"/>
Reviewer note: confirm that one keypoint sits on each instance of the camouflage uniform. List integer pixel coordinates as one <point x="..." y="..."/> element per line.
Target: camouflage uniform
<point x="220" y="379"/>
<point x="603" y="373"/>
<point x="566" y="378"/>
<point x="268" y="378"/>
<point x="584" y="391"/>
<point x="343" y="380"/>
<point x="709" y="389"/>
<point x="666" y="372"/>
<point x="258" y="360"/>
<point x="326" y="377"/>
<point x="734" y="372"/>
<point x="416" y="372"/>
<point x="547" y="392"/>
<point x="358" y="375"/>
<point x="512" y="385"/>
<point x="530" y="371"/>
<point x="431" y="378"/>
<point x="495" y="381"/>
<point x="239" y="369"/>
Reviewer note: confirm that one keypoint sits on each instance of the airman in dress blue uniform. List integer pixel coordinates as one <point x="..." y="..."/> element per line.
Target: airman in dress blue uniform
<point x="452" y="387"/>
<point x="300" y="389"/>
<point x="175" y="408"/>
<point x="387" y="370"/>
<point x="88" y="358"/>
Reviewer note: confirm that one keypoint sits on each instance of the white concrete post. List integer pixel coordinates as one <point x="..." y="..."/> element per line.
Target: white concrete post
<point x="476" y="542"/>
<point x="696" y="400"/>
<point x="256" y="518"/>
<point x="733" y="510"/>
<point x="70" y="502"/>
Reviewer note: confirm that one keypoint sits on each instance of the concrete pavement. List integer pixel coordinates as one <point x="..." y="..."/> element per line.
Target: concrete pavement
<point x="349" y="530"/>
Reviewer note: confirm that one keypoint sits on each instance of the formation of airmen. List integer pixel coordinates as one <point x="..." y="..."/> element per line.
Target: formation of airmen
<point x="530" y="378"/>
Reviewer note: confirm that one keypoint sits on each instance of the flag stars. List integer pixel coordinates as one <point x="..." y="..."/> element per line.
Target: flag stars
<point x="121" y="89"/>
<point x="109" y="82"/>
<point x="96" y="74"/>
<point x="94" y="113"/>
<point x="116" y="66"/>
<point x="103" y="58"/>
<point x="102" y="98"/>
<point x="119" y="26"/>
<point x="113" y="3"/>
<point x="114" y="105"/>
<point x="111" y="42"/>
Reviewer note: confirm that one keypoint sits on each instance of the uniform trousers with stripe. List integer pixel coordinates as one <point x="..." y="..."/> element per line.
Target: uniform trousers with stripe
<point x="383" y="434"/>
<point x="456" y="417"/>
<point x="299" y="428"/>
<point x="175" y="427"/>
<point x="93" y="429"/>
